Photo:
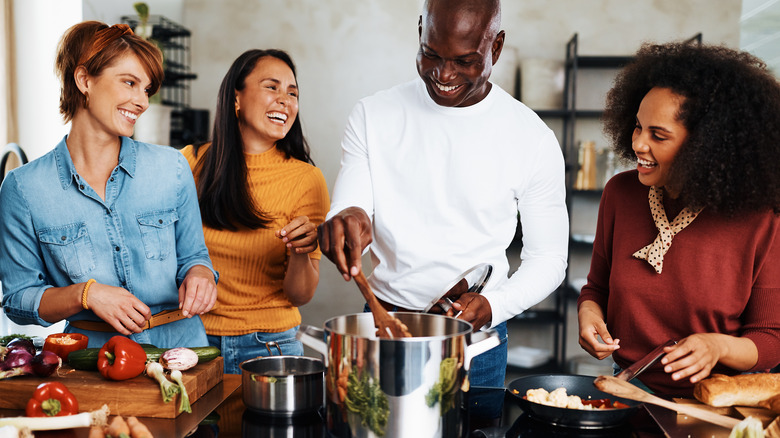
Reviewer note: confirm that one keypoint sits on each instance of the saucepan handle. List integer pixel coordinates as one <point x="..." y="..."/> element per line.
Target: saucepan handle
<point x="479" y="343"/>
<point x="313" y="337"/>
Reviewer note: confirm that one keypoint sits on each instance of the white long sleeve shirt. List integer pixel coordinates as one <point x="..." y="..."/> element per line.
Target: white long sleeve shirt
<point x="443" y="187"/>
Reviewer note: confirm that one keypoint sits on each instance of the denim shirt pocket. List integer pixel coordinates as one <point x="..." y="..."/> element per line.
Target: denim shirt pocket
<point x="70" y="247"/>
<point x="158" y="233"/>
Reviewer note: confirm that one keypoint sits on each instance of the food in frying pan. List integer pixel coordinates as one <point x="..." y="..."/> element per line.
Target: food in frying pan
<point x="559" y="399"/>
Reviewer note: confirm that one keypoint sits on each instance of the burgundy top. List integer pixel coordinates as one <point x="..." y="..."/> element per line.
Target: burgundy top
<point x="720" y="275"/>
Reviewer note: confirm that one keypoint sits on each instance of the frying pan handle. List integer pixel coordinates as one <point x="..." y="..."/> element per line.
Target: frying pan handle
<point x="312" y="337"/>
<point x="479" y="343"/>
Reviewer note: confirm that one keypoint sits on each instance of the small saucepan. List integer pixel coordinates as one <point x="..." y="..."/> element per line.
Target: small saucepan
<point x="283" y="385"/>
<point x="581" y="386"/>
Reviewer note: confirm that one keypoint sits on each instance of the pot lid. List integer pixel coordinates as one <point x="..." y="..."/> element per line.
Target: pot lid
<point x="476" y="277"/>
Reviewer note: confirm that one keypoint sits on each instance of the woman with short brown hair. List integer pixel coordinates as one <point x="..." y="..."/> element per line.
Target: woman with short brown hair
<point x="104" y="231"/>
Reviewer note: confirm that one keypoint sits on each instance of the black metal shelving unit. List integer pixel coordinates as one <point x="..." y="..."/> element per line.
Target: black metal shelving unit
<point x="173" y="40"/>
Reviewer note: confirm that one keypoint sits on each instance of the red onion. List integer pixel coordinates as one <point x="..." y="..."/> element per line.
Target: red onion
<point x="25" y="344"/>
<point x="18" y="363"/>
<point x="18" y="358"/>
<point x="45" y="363"/>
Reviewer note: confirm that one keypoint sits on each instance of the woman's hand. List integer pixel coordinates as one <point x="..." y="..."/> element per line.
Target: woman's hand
<point x="696" y="355"/>
<point x="119" y="308"/>
<point x="300" y="235"/>
<point x="592" y="325"/>
<point x="198" y="291"/>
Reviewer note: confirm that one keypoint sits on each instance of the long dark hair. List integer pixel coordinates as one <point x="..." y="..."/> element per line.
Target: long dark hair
<point x="225" y="202"/>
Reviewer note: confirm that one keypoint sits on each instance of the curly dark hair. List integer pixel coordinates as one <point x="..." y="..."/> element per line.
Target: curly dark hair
<point x="729" y="161"/>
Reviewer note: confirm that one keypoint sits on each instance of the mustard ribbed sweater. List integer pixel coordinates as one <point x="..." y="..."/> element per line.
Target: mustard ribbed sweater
<point x="252" y="263"/>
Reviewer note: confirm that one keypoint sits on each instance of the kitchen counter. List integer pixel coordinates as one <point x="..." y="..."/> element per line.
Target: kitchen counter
<point x="224" y="413"/>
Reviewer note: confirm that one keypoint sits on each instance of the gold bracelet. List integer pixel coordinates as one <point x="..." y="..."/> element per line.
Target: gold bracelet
<point x="85" y="292"/>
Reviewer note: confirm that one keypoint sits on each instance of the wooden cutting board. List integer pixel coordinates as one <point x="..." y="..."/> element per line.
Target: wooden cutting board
<point x="139" y="396"/>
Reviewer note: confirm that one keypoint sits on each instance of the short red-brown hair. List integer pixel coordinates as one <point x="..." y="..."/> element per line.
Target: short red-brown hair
<point x="96" y="45"/>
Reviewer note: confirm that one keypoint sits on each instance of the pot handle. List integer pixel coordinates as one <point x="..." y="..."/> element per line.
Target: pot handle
<point x="312" y="337"/>
<point x="480" y="342"/>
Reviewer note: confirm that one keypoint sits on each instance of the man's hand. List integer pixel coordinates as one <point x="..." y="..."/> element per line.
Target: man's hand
<point x="473" y="308"/>
<point x="442" y="306"/>
<point x="344" y="237"/>
<point x="198" y="291"/>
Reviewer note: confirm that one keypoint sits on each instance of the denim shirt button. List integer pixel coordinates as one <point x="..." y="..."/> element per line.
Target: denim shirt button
<point x="81" y="186"/>
<point x="116" y="248"/>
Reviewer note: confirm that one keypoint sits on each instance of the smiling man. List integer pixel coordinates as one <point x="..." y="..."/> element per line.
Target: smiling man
<point x="434" y="175"/>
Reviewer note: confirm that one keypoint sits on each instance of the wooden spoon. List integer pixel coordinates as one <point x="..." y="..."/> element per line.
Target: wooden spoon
<point x="620" y="388"/>
<point x="387" y="326"/>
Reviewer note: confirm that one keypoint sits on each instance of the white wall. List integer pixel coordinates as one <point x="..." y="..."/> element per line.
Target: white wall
<point x="39" y="24"/>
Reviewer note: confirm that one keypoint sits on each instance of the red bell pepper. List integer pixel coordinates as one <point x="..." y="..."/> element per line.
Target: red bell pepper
<point x="121" y="358"/>
<point x="52" y="399"/>
<point x="62" y="344"/>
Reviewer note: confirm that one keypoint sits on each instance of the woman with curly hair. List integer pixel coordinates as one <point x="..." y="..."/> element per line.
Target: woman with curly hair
<point x="688" y="244"/>
<point x="261" y="199"/>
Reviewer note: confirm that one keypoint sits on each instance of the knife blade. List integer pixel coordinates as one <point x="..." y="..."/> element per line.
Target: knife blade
<point x="644" y="363"/>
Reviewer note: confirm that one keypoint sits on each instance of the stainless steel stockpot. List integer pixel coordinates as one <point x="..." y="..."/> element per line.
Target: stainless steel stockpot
<point x="397" y="387"/>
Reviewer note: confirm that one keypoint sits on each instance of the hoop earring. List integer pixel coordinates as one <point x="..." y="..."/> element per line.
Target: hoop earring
<point x="86" y="100"/>
<point x="236" y="107"/>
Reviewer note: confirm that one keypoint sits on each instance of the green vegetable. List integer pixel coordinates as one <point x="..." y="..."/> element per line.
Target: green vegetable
<point x="6" y="339"/>
<point x="184" y="399"/>
<point x="366" y="399"/>
<point x="86" y="359"/>
<point x="444" y="390"/>
<point x="750" y="427"/>
<point x="168" y="389"/>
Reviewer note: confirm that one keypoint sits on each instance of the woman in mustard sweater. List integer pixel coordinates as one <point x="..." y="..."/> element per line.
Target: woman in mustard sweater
<point x="261" y="199"/>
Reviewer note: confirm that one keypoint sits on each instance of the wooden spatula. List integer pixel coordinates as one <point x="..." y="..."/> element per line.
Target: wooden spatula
<point x="387" y="326"/>
<point x="621" y="388"/>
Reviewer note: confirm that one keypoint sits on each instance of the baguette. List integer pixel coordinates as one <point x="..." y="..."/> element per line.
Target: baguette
<point x="773" y="404"/>
<point x="739" y="390"/>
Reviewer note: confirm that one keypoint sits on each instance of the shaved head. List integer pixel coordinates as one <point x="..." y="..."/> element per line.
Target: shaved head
<point x="484" y="14"/>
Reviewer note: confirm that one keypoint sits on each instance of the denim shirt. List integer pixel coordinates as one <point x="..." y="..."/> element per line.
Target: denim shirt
<point x="56" y="231"/>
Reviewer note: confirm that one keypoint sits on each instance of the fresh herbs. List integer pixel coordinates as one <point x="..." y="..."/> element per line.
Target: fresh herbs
<point x="443" y="391"/>
<point x="4" y="340"/>
<point x="365" y="398"/>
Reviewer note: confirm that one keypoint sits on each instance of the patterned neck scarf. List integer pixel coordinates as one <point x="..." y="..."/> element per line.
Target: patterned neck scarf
<point x="654" y="253"/>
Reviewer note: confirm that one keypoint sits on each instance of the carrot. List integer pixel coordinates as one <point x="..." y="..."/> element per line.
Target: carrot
<point x="118" y="427"/>
<point x="97" y="432"/>
<point x="138" y="429"/>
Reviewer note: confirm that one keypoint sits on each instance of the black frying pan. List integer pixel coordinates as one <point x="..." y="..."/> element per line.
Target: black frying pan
<point x="576" y="418"/>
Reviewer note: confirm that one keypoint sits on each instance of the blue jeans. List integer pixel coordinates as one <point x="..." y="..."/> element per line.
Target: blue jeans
<point x="237" y="349"/>
<point x="488" y="369"/>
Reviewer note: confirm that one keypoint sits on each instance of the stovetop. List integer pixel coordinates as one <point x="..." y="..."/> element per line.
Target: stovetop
<point x="514" y="423"/>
